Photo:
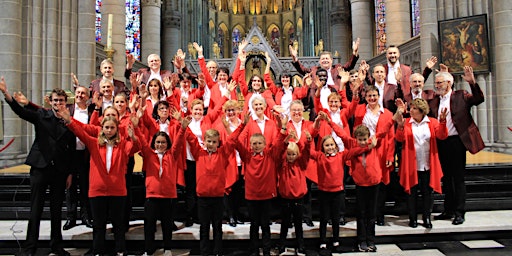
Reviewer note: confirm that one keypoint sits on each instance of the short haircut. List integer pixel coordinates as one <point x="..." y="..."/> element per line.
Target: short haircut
<point x="259" y="98"/>
<point x="370" y="88"/>
<point x="106" y="81"/>
<point x="59" y="92"/>
<point x="87" y="91"/>
<point x="154" y="114"/>
<point x="421" y="104"/>
<point x="258" y="136"/>
<point x="334" y="95"/>
<point x="196" y="102"/>
<point x="320" y="70"/>
<point x="361" y="130"/>
<point x="223" y="70"/>
<point x="446" y="76"/>
<point x="378" y="65"/>
<point x="211" y="133"/>
<point x="231" y="104"/>
<point x="106" y="61"/>
<point x="297" y="102"/>
<point x="328" y="137"/>
<point x="417" y="75"/>
<point x="165" y="135"/>
<point x="326" y="53"/>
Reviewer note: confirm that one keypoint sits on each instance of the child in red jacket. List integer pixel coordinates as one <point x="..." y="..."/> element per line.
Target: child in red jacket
<point x="161" y="159"/>
<point x="292" y="188"/>
<point x="367" y="173"/>
<point x="212" y="163"/>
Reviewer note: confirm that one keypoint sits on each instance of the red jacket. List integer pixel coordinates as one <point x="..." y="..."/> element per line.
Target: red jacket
<point x="292" y="178"/>
<point x="215" y="94"/>
<point x="365" y="166"/>
<point x="271" y="131"/>
<point x="101" y="182"/>
<point x="260" y="169"/>
<point x="162" y="186"/>
<point x="298" y="92"/>
<point x="211" y="167"/>
<point x="408" y="170"/>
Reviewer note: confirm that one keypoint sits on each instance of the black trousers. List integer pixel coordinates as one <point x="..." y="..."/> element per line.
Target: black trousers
<point x="259" y="212"/>
<point x="190" y="190"/>
<point x="128" y="204"/>
<point x="235" y="199"/>
<point x="40" y="181"/>
<point x="210" y="211"/>
<point x="103" y="208"/>
<point x="292" y="207"/>
<point x="381" y="199"/>
<point x="366" y="198"/>
<point x="452" y="155"/>
<point x="426" y="192"/>
<point x="80" y="184"/>
<point x="158" y="209"/>
<point x="307" y="201"/>
<point x="330" y="209"/>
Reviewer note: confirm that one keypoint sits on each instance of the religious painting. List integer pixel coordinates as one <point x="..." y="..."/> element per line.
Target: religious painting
<point x="464" y="42"/>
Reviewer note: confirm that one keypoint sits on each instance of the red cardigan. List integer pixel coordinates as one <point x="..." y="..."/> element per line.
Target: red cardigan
<point x="292" y="178"/>
<point x="260" y="169"/>
<point x="298" y="92"/>
<point x="211" y="167"/>
<point x="162" y="186"/>
<point x="101" y="182"/>
<point x="408" y="171"/>
<point x="386" y="138"/>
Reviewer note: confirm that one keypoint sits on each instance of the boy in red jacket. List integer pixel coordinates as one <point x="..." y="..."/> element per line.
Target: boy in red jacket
<point x="367" y="173"/>
<point x="211" y="167"/>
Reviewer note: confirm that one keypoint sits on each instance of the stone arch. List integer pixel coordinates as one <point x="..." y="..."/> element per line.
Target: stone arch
<point x="289" y="35"/>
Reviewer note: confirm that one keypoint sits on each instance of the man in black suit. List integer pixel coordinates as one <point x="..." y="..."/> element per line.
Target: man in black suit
<point x="50" y="159"/>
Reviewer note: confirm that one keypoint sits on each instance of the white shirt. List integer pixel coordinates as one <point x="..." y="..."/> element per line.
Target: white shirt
<point x="370" y="120"/>
<point x="82" y="115"/>
<point x="286" y="100"/>
<point x="155" y="75"/>
<point x="330" y="81"/>
<point x="391" y="72"/>
<point x="381" y="92"/>
<point x="298" y="127"/>
<point x="108" y="158"/>
<point x="185" y="94"/>
<point x="336" y="119"/>
<point x="195" y="127"/>
<point x="324" y="96"/>
<point x="164" y="127"/>
<point x="224" y="90"/>
<point x="261" y="123"/>
<point x="160" y="156"/>
<point x="417" y="96"/>
<point x="422" y="136"/>
<point x="232" y="127"/>
<point x="445" y="103"/>
<point x="206" y="96"/>
<point x="107" y="103"/>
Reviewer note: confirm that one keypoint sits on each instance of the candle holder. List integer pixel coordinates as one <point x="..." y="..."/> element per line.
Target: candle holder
<point x="110" y="52"/>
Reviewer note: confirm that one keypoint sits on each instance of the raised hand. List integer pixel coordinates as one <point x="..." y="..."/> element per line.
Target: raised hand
<point x="199" y="48"/>
<point x="442" y="116"/>
<point x="242" y="45"/>
<point x="442" y="68"/>
<point x="399" y="118"/>
<point x="308" y="135"/>
<point x="400" y="105"/>
<point x="324" y="116"/>
<point x="355" y="46"/>
<point x="468" y="75"/>
<point x="135" y="120"/>
<point x="63" y="113"/>
<point x="308" y="80"/>
<point x="431" y="62"/>
<point x="97" y="99"/>
<point x="231" y="86"/>
<point x="181" y="54"/>
<point x="247" y="117"/>
<point x="167" y="83"/>
<point x="130" y="60"/>
<point x="345" y="75"/>
<point x="267" y="58"/>
<point x="278" y="109"/>
<point x="201" y="80"/>
<point x="74" y="79"/>
<point x="398" y="74"/>
<point x="292" y="135"/>
<point x="175" y="114"/>
<point x="134" y="103"/>
<point x="20" y="98"/>
<point x="242" y="56"/>
<point x="293" y="52"/>
<point x="185" y="122"/>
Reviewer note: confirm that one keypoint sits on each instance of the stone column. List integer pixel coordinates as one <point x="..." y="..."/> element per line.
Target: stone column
<point x="398" y="21"/>
<point x="429" y="35"/>
<point x="150" y="22"/>
<point x="86" y="50"/>
<point x="502" y="29"/>
<point x="10" y="68"/>
<point x="172" y="33"/>
<point x="362" y="20"/>
<point x="340" y="40"/>
<point x="115" y="7"/>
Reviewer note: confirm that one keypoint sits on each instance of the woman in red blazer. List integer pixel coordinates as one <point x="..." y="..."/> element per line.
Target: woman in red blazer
<point x="420" y="166"/>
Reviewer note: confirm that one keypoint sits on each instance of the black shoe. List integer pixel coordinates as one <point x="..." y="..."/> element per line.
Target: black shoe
<point x="301" y="250"/>
<point x="59" y="252"/>
<point x="342" y="221"/>
<point x="413" y="223"/>
<point x="309" y="222"/>
<point x="380" y="221"/>
<point x="362" y="247"/>
<point x="281" y="248"/>
<point x="70" y="223"/>
<point x="87" y="222"/>
<point x="189" y="222"/>
<point x="174" y="227"/>
<point x="426" y="222"/>
<point x="232" y="222"/>
<point x="458" y="220"/>
<point x="372" y="247"/>
<point x="329" y="222"/>
<point x="443" y="216"/>
<point x="324" y="252"/>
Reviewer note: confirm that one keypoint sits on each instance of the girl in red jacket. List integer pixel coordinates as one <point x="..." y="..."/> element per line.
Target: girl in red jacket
<point x="160" y="161"/>
<point x="107" y="184"/>
<point x="292" y="188"/>
<point x="211" y="164"/>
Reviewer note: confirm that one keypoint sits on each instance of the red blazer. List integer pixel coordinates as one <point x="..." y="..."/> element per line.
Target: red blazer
<point x="460" y="106"/>
<point x="260" y="169"/>
<point x="101" y="182"/>
<point x="425" y="94"/>
<point x="385" y="135"/>
<point x="162" y="186"/>
<point x="298" y="92"/>
<point x="408" y="171"/>
<point x="211" y="167"/>
<point x="404" y="83"/>
<point x="292" y="178"/>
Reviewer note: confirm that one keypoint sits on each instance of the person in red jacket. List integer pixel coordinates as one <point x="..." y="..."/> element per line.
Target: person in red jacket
<point x="107" y="182"/>
<point x="420" y="167"/>
<point x="211" y="164"/>
<point x="367" y="174"/>
<point x="260" y="181"/>
<point x="161" y="158"/>
<point x="292" y="188"/>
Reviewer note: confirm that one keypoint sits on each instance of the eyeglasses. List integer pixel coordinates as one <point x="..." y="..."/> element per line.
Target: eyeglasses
<point x="440" y="82"/>
<point x="58" y="100"/>
<point x="230" y="110"/>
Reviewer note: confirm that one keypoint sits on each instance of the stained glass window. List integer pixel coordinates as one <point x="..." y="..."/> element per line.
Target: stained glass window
<point x="132" y="29"/>
<point x="380" y="25"/>
<point x="415" y="17"/>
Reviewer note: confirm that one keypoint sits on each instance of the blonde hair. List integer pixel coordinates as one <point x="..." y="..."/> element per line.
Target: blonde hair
<point x="293" y="147"/>
<point x="334" y="95"/>
<point x="257" y="136"/>
<point x="102" y="138"/>
<point x="196" y="102"/>
<point x="231" y="104"/>
<point x="327" y="137"/>
<point x="211" y="133"/>
<point x="422" y="105"/>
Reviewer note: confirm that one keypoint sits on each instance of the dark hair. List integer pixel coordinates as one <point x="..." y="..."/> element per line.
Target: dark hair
<point x="160" y="87"/>
<point x="155" y="109"/>
<point x="320" y="70"/>
<point x="361" y="130"/>
<point x="59" y="92"/>
<point x="371" y="87"/>
<point x="285" y="73"/>
<point x="223" y="69"/>
<point x="167" y="138"/>
<point x="262" y="83"/>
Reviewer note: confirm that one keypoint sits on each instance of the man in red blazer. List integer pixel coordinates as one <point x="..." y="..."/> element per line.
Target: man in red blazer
<point x="463" y="134"/>
<point x="417" y="83"/>
<point x="107" y="70"/>
<point x="154" y="71"/>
